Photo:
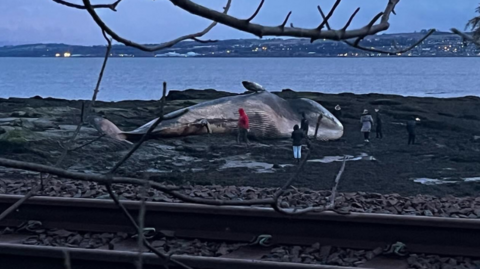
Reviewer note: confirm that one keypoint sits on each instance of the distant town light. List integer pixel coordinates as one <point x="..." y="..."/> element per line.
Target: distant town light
<point x="66" y="54"/>
<point x="228" y="51"/>
<point x="57" y="54"/>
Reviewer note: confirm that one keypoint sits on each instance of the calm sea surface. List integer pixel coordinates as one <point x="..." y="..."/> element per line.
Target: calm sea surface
<point x="141" y="78"/>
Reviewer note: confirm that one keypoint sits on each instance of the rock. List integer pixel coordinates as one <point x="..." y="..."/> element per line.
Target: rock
<point x="385" y="102"/>
<point x="190" y="94"/>
<point x="43" y="124"/>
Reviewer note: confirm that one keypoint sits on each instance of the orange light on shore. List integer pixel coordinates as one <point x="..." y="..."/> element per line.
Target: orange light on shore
<point x="67" y="54"/>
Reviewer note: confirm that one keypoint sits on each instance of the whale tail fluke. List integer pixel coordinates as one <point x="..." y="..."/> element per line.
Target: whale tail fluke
<point x="111" y="130"/>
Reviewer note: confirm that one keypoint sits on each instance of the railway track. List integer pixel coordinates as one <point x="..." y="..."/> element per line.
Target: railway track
<point x="431" y="235"/>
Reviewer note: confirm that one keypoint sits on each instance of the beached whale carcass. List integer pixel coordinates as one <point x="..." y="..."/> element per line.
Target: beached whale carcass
<point x="271" y="117"/>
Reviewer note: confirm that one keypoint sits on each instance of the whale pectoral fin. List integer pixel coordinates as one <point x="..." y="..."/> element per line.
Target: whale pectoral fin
<point x="207" y="125"/>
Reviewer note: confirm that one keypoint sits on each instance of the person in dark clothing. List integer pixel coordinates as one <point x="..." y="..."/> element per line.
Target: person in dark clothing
<point x="337" y="112"/>
<point x="304" y="124"/>
<point x="243" y="126"/>
<point x="297" y="136"/>
<point x="411" y="124"/>
<point x="379" y="125"/>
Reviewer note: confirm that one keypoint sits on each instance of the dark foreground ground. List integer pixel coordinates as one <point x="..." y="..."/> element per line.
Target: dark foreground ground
<point x="447" y="148"/>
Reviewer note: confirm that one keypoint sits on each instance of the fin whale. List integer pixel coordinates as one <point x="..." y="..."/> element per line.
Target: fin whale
<point x="271" y="117"/>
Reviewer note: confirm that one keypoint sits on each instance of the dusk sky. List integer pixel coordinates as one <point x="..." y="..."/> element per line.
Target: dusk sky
<point x="154" y="21"/>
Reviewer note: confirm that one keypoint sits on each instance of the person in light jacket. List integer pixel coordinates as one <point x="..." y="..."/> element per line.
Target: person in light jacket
<point x="367" y="123"/>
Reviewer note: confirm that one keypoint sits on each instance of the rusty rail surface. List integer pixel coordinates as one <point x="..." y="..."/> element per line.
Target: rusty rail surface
<point x="432" y="235"/>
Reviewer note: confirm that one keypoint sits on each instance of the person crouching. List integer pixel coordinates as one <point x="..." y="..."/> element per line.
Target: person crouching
<point x="297" y="136"/>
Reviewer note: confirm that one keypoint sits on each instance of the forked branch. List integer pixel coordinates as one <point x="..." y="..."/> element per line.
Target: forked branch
<point x="261" y="30"/>
<point x="356" y="43"/>
<point x="256" y="12"/>
<point x="91" y="10"/>
<point x="465" y="37"/>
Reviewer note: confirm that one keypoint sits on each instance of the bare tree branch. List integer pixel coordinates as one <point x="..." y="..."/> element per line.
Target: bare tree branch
<point x="372" y="22"/>
<point x="330" y="207"/>
<point x="147" y="134"/>
<point x="204" y="41"/>
<point x="166" y="258"/>
<point x="256" y="12"/>
<point x="261" y="30"/>
<point x="100" y="75"/>
<point x="112" y="6"/>
<point x="91" y="10"/>
<point x="392" y="52"/>
<point x="369" y="25"/>
<point x="286" y="20"/>
<point x="325" y="19"/>
<point x="349" y="21"/>
<point x="335" y="186"/>
<point x="88" y="143"/>
<point x="18" y="203"/>
<point x="465" y="36"/>
<point x="71" y="141"/>
<point x="141" y="225"/>
<point x="66" y="259"/>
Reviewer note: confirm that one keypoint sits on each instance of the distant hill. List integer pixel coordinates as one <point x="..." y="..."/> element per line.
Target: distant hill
<point x="438" y="44"/>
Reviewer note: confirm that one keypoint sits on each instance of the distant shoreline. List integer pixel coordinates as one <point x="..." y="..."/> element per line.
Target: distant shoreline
<point x="233" y="57"/>
<point x="217" y="93"/>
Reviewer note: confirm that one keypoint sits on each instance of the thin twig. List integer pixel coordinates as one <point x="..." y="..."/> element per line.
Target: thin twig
<point x="325" y="19"/>
<point x="88" y="143"/>
<point x="66" y="149"/>
<point x="288" y="183"/>
<point x="256" y="12"/>
<point x="164" y="257"/>
<point x="17" y="204"/>
<point x="330" y="207"/>
<point x="370" y="25"/>
<point x="335" y="186"/>
<point x="286" y="20"/>
<point x="465" y="36"/>
<point x="145" y="135"/>
<point x="100" y="75"/>
<point x="66" y="258"/>
<point x="350" y="20"/>
<point x="112" y="6"/>
<point x="141" y="225"/>
<point x="89" y="7"/>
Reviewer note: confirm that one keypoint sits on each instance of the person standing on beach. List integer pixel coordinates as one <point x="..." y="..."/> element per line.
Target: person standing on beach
<point x="411" y="124"/>
<point x="378" y="119"/>
<point x="297" y="136"/>
<point x="243" y="126"/>
<point x="304" y="124"/>
<point x="337" y="112"/>
<point x="367" y="123"/>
